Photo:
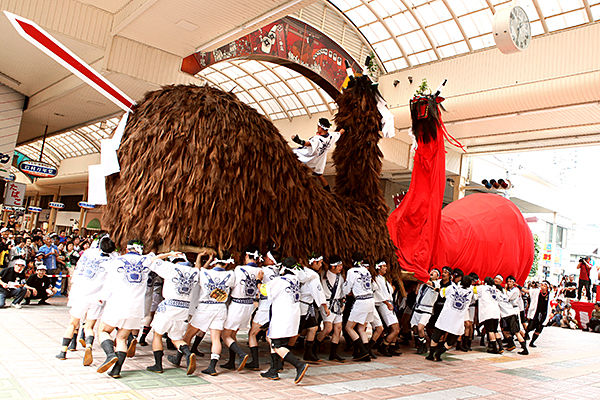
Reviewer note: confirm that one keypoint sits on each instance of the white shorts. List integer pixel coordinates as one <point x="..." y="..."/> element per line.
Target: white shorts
<point x="471" y="314"/>
<point x="238" y="316"/>
<point x="210" y="318"/>
<point x="86" y="310"/>
<point x="129" y="323"/>
<point x="376" y="322"/>
<point x="419" y="318"/>
<point x="163" y="324"/>
<point x="362" y="311"/>
<point x="388" y="316"/>
<point x="333" y="318"/>
<point x="261" y="317"/>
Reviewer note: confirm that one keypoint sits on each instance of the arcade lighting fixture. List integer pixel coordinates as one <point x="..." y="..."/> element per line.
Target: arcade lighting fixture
<point x="500" y="184"/>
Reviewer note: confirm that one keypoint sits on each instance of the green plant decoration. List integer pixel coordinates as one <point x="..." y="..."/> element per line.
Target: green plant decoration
<point x="536" y="256"/>
<point x="423" y="89"/>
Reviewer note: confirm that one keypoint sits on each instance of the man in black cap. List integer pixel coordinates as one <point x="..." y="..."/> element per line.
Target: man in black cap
<point x="314" y="151"/>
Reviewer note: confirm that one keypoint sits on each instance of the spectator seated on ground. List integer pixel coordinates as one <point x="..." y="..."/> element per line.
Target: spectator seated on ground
<point x="557" y="313"/>
<point x="12" y="281"/>
<point x="568" y="320"/>
<point x="594" y="324"/>
<point x="39" y="286"/>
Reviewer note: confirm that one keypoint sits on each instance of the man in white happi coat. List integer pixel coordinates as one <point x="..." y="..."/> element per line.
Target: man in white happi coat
<point x="284" y="292"/>
<point x="88" y="280"/>
<point x="509" y="312"/>
<point x="382" y="293"/>
<point x="423" y="309"/>
<point x="247" y="277"/>
<point x="270" y="268"/>
<point x="180" y="286"/>
<point x="124" y="291"/>
<point x="332" y="282"/>
<point x="358" y="282"/>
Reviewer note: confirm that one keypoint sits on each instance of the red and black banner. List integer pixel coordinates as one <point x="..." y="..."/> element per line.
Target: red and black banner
<point x="288" y="42"/>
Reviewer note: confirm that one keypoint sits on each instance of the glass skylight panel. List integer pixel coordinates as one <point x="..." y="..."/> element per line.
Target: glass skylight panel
<point x="555" y="7"/>
<point x="477" y="24"/>
<point x="568" y="20"/>
<point x="315" y="97"/>
<point x="429" y="16"/>
<point x="280" y="89"/>
<point x="380" y="32"/>
<point x="307" y="98"/>
<point x="392" y="49"/>
<point x="369" y="34"/>
<point x="416" y="41"/>
<point x="440" y="35"/>
<point x="313" y="109"/>
<point x="284" y="72"/>
<point x="596" y="12"/>
<point x="537" y="28"/>
<point x="405" y="22"/>
<point x="389" y="7"/>
<point x="305" y="83"/>
<point x="295" y="83"/>
<point x="382" y="52"/>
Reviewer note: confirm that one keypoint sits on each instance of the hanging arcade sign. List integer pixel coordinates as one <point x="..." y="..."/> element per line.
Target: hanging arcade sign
<point x="87" y="206"/>
<point x="38" y="169"/>
<point x="10" y="178"/>
<point x="34" y="209"/>
<point x="56" y="205"/>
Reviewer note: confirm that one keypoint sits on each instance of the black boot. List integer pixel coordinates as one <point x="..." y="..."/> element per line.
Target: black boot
<point x="383" y="349"/>
<point x="482" y="341"/>
<point x="73" y="343"/>
<point x="333" y="355"/>
<point x="441" y="349"/>
<point x="524" y="352"/>
<point x="500" y="347"/>
<point x="316" y="347"/>
<point x="430" y="357"/>
<point x="405" y="340"/>
<point x="212" y="367"/>
<point x="115" y="372"/>
<point x="278" y="363"/>
<point x="88" y="358"/>
<point x="243" y="356"/>
<point x="131" y="345"/>
<point x="63" y="354"/>
<point x="195" y="345"/>
<point x="272" y="372"/>
<point x="111" y="357"/>
<point x="362" y="353"/>
<point x="308" y="354"/>
<point x="511" y="344"/>
<point x="368" y="347"/>
<point x="493" y="347"/>
<point x="190" y="358"/>
<point x="253" y="365"/>
<point x="300" y="366"/>
<point x="533" y="339"/>
<point x="157" y="367"/>
<point x="175" y="359"/>
<point x="469" y="340"/>
<point x="230" y="364"/>
<point x="422" y="346"/>
<point x="143" y="336"/>
<point x="82" y="340"/>
<point x="392" y="350"/>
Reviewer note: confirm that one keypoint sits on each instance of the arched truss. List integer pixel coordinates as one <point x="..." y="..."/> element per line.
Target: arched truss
<point x="407" y="33"/>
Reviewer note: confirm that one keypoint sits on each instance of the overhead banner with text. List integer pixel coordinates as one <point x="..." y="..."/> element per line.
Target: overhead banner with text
<point x="288" y="42"/>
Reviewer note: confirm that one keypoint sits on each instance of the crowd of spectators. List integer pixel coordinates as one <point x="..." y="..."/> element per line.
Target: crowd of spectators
<point x="31" y="262"/>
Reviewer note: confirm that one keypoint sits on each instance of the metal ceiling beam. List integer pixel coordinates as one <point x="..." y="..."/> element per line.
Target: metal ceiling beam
<point x="409" y="8"/>
<point x="460" y="27"/>
<point x="86" y="138"/>
<point x="285" y="82"/>
<point x="321" y="95"/>
<point x="538" y="9"/>
<point x="243" y="88"/>
<point x="389" y="31"/>
<point x="273" y="95"/>
<point x="588" y="10"/>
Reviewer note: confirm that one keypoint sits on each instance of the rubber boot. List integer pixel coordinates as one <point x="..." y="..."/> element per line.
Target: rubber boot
<point x="362" y="353"/>
<point x="469" y="341"/>
<point x="272" y="372"/>
<point x="115" y="372"/>
<point x="482" y="341"/>
<point x="422" y="346"/>
<point x="157" y="367"/>
<point x="500" y="347"/>
<point x="190" y="358"/>
<point x="383" y="349"/>
<point x="82" y="340"/>
<point x="316" y="347"/>
<point x="511" y="344"/>
<point x="111" y="357"/>
<point x="63" y="354"/>
<point x="212" y="367"/>
<point x="393" y="349"/>
<point x="493" y="347"/>
<point x="194" y="349"/>
<point x="368" y="347"/>
<point x="175" y="359"/>
<point x="533" y="339"/>
<point x="143" y="336"/>
<point x="243" y="356"/>
<point x="300" y="366"/>
<point x="230" y="364"/>
<point x="73" y="343"/>
<point x="131" y="345"/>
<point x="308" y="354"/>
<point x="430" y="357"/>
<point x="524" y="352"/>
<point x="278" y="363"/>
<point x="441" y="349"/>
<point x="333" y="355"/>
<point x="253" y="365"/>
<point x="88" y="358"/>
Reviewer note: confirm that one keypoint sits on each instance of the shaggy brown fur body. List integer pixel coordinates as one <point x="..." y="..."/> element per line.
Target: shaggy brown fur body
<point x="200" y="167"/>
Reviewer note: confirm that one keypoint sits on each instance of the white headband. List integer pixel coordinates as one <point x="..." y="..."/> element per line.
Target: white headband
<point x="312" y="260"/>
<point x="217" y="261"/>
<point x="255" y="254"/>
<point x="270" y="257"/>
<point x="138" y="248"/>
<point x="322" y="126"/>
<point x="379" y="265"/>
<point x="335" y="264"/>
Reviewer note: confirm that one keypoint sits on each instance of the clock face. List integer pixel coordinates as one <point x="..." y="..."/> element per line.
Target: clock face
<point x="520" y="28"/>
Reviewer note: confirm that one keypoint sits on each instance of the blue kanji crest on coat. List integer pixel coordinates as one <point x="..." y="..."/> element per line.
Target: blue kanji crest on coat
<point x="185" y="281"/>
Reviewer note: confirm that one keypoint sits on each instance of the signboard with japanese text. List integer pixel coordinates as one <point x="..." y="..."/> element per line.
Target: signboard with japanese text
<point x="11" y="111"/>
<point x="38" y="169"/>
<point x="14" y="193"/>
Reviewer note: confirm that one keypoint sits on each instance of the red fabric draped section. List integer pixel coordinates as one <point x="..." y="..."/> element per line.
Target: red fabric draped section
<point x="414" y="226"/>
<point x="486" y="234"/>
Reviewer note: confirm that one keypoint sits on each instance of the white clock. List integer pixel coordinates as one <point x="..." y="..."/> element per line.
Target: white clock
<point x="511" y="29"/>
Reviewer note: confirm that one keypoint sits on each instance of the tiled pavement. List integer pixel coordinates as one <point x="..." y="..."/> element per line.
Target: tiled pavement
<point x="564" y="366"/>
